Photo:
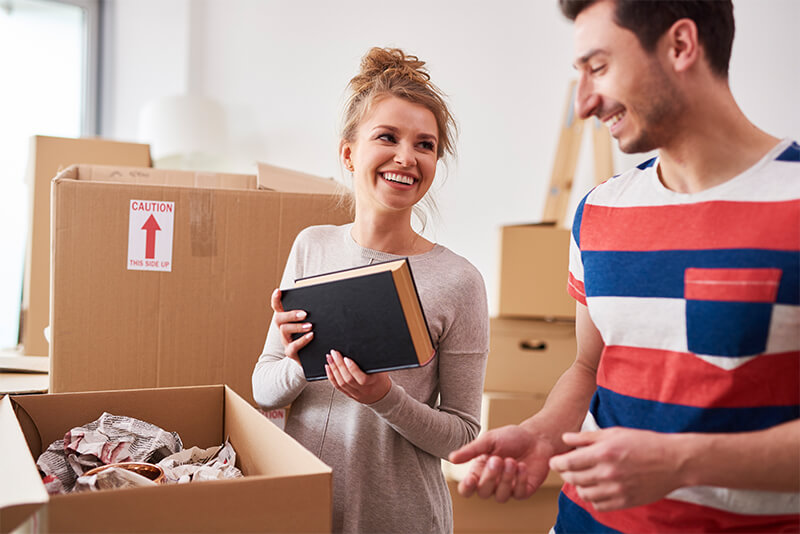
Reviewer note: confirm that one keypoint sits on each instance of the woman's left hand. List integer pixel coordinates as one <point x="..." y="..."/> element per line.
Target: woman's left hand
<point x="348" y="378"/>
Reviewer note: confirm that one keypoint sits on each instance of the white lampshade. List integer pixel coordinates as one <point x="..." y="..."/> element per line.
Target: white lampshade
<point x="183" y="126"/>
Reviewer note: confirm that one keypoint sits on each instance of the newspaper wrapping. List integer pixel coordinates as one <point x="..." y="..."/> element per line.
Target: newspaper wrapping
<point x="109" y="439"/>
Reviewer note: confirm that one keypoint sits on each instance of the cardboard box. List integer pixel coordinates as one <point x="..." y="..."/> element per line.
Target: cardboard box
<point x="280" y="476"/>
<point x="534" y="268"/>
<point x="528" y="355"/>
<point x="475" y="515"/>
<point x="202" y="318"/>
<point x="47" y="156"/>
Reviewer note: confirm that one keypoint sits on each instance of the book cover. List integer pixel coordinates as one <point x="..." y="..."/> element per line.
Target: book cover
<point x="371" y="314"/>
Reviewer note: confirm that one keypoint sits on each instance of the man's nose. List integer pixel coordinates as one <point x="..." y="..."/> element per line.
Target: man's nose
<point x="587" y="102"/>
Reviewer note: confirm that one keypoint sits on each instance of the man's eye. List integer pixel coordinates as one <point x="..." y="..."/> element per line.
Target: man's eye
<point x="598" y="69"/>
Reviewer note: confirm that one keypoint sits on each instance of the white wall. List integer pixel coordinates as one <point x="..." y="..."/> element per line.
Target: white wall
<point x="280" y="69"/>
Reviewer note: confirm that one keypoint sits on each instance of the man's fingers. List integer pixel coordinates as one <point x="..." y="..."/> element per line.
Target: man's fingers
<point x="505" y="486"/>
<point x="490" y="477"/>
<point x="467" y="486"/>
<point x="481" y="445"/>
<point x="577" y="460"/>
<point x="521" y="489"/>
<point x="579" y="439"/>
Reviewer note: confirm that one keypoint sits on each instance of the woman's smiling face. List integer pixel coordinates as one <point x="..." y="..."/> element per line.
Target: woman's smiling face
<point x="393" y="155"/>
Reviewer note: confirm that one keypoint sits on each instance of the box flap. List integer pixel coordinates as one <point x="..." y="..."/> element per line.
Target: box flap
<point x="26" y="494"/>
<point x="150" y="176"/>
<point x="14" y="360"/>
<point x="289" y="181"/>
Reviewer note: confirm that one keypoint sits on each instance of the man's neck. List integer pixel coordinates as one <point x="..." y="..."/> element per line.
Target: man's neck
<point x="715" y="143"/>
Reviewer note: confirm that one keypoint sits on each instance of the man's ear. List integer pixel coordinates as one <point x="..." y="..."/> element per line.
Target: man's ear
<point x="682" y="44"/>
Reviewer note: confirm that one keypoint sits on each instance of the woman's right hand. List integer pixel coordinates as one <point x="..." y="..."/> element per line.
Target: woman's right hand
<point x="288" y="323"/>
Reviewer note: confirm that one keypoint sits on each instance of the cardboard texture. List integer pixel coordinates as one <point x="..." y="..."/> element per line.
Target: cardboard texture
<point x="202" y="322"/>
<point x="47" y="156"/>
<point x="528" y="355"/>
<point x="280" y="476"/>
<point x="288" y="181"/>
<point x="474" y="515"/>
<point x="534" y="267"/>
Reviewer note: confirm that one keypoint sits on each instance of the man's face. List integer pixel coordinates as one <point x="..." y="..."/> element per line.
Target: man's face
<point x="622" y="85"/>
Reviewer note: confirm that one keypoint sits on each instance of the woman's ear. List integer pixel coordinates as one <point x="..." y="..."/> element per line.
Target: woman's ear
<point x="345" y="155"/>
<point x="683" y="44"/>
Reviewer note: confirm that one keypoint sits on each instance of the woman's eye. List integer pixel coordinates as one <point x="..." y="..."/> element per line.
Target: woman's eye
<point x="427" y="145"/>
<point x="386" y="137"/>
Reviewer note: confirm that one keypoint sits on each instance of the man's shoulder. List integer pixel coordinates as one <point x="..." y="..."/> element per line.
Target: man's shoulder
<point x="627" y="183"/>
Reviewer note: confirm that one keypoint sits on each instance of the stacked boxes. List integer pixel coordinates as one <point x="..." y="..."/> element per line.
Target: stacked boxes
<point x="160" y="279"/>
<point x="532" y="343"/>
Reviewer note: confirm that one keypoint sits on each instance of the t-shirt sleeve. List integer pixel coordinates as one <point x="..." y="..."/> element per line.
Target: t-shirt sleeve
<point x="575" y="281"/>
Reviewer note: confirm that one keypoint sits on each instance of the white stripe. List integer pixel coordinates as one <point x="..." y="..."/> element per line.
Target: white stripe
<point x="738" y="501"/>
<point x="637" y="187"/>
<point x="784" y="329"/>
<point x="653" y="323"/>
<point x="725" y="362"/>
<point x="660" y="323"/>
<point x="750" y="502"/>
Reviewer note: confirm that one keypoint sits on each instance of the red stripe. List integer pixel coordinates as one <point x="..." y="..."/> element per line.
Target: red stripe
<point x="666" y="516"/>
<point x="738" y="285"/>
<point x="700" y="226"/>
<point x="576" y="289"/>
<point x="663" y="378"/>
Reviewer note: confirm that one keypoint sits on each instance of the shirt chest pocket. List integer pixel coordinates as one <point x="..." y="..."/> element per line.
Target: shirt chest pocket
<point x="728" y="311"/>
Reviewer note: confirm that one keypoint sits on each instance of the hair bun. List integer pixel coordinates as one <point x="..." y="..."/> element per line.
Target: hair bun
<point x="388" y="63"/>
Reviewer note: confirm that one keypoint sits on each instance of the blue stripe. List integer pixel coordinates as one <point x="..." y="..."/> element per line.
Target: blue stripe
<point x="573" y="518"/>
<point x="792" y="153"/>
<point x="612" y="409"/>
<point x="661" y="273"/>
<point x="576" y="222"/>
<point x="645" y="164"/>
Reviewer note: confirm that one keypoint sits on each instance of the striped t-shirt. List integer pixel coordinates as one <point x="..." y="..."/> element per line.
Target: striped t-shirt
<point x="697" y="298"/>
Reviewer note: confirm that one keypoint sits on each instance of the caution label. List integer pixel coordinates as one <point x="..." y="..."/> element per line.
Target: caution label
<point x="150" y="226"/>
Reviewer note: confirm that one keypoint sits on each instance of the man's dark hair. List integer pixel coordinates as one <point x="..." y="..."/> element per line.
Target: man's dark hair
<point x="649" y="19"/>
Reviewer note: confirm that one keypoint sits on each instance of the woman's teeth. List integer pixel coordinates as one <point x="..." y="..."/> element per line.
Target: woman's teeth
<point x="392" y="177"/>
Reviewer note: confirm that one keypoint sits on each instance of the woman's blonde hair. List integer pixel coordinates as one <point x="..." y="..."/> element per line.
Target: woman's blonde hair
<point x="391" y="72"/>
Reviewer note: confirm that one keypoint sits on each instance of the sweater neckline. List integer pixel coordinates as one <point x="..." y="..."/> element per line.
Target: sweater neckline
<point x="372" y="255"/>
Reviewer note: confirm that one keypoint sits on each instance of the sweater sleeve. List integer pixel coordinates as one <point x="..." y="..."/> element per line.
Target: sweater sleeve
<point x="278" y="380"/>
<point x="454" y="420"/>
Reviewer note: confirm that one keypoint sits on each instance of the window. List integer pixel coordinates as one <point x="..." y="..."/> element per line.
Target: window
<point x="49" y="70"/>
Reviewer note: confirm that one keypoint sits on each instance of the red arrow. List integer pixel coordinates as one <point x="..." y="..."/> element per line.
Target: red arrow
<point x="151" y="227"/>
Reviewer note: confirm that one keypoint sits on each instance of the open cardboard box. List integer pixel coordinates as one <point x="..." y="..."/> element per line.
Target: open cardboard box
<point x="285" y="488"/>
<point x="200" y="316"/>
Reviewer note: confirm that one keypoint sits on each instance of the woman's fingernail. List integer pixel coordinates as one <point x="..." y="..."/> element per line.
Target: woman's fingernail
<point x="301" y="315"/>
<point x="306" y="326"/>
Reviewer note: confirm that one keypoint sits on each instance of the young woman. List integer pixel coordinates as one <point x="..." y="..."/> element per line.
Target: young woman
<point x="385" y="433"/>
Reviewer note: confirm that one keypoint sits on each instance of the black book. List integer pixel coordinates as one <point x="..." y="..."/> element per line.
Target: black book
<point x="371" y="314"/>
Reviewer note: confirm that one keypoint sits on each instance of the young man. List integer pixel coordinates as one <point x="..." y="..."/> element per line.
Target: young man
<point x="686" y="273"/>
